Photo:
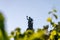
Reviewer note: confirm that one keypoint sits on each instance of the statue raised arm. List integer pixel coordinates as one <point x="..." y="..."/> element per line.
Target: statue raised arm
<point x="27" y="17"/>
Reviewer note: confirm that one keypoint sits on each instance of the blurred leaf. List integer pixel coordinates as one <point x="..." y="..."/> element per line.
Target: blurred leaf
<point x="55" y="16"/>
<point x="49" y="12"/>
<point x="54" y="10"/>
<point x="1" y="16"/>
<point x="1" y="34"/>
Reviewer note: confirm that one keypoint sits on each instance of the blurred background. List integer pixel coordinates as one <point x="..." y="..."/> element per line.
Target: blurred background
<point x="15" y="12"/>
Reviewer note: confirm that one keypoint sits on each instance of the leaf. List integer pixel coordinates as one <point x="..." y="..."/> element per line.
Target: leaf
<point x="55" y="16"/>
<point x="54" y="10"/>
<point x="50" y="12"/>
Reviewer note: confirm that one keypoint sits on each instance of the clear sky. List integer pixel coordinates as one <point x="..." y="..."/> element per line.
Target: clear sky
<point x="15" y="12"/>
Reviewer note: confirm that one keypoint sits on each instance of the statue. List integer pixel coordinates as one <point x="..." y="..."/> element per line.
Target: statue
<point x="30" y="23"/>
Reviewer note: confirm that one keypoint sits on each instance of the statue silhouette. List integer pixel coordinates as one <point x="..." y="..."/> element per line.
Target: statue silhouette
<point x="30" y="23"/>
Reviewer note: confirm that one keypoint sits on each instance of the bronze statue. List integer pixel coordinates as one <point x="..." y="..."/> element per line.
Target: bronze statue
<point x="30" y="23"/>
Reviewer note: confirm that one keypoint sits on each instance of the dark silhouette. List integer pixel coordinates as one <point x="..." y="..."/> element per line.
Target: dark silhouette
<point x="30" y="23"/>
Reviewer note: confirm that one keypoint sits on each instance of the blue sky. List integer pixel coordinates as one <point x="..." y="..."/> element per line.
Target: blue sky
<point x="15" y="12"/>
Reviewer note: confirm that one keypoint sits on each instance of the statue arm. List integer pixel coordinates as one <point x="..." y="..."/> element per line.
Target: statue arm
<point x="27" y="17"/>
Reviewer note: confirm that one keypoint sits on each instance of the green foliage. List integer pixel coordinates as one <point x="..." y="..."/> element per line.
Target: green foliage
<point x="3" y="34"/>
<point x="55" y="16"/>
<point x="54" y="10"/>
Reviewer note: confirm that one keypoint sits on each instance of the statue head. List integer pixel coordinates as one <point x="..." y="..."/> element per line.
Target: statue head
<point x="29" y="17"/>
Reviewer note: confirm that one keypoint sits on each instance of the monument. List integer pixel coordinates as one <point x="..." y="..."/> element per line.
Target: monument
<point x="30" y="23"/>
